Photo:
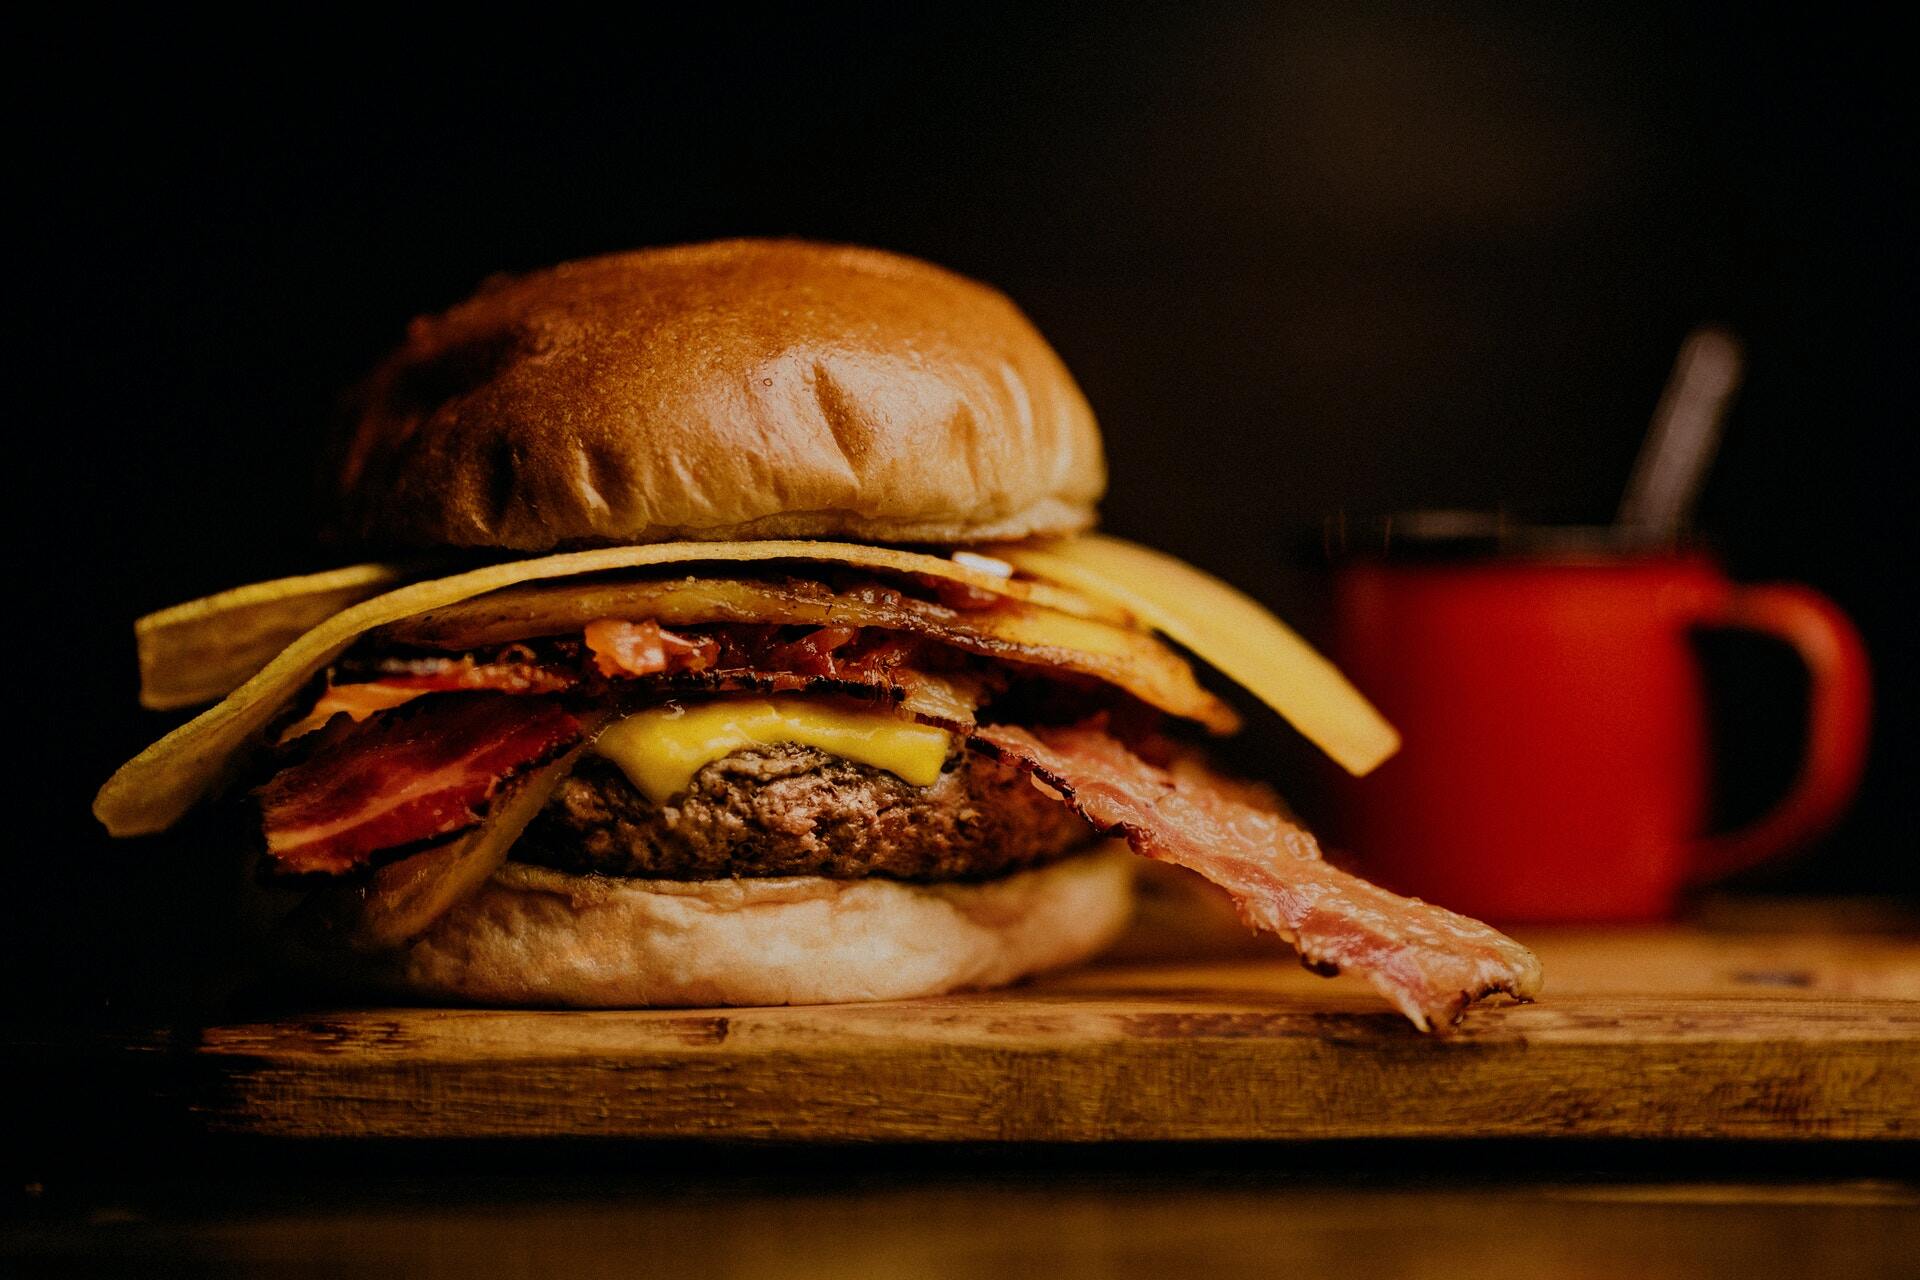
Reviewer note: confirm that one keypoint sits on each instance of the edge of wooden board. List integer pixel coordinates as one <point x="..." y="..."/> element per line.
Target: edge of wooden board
<point x="1059" y="1066"/>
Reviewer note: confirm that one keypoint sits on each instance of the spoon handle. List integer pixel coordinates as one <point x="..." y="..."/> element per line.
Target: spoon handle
<point x="1685" y="433"/>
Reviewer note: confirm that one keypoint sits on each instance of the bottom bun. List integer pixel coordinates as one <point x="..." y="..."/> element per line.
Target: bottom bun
<point x="532" y="936"/>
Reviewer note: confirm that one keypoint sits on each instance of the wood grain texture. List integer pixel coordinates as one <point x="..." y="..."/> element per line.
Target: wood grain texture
<point x="1667" y="1033"/>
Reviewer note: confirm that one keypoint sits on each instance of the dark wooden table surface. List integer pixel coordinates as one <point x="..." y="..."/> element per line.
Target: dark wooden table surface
<point x="1295" y="1210"/>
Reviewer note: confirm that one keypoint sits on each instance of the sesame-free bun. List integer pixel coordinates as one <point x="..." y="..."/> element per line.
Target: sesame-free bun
<point x="533" y="936"/>
<point x="734" y="390"/>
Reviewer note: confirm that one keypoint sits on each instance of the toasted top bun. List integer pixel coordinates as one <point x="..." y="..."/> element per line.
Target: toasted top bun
<point x="734" y="390"/>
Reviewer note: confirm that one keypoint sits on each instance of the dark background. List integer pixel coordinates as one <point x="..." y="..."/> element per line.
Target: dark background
<point x="1303" y="260"/>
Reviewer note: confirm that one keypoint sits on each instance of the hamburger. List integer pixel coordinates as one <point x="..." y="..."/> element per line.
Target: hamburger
<point x="734" y="632"/>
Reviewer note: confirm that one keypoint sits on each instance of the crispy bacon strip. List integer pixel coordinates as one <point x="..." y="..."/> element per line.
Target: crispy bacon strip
<point x="406" y="776"/>
<point x="732" y="657"/>
<point x="645" y="648"/>
<point x="1042" y="640"/>
<point x="402" y="680"/>
<point x="354" y="701"/>
<point x="1428" y="961"/>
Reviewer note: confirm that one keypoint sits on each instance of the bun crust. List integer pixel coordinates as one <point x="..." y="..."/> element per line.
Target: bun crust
<point x="532" y="936"/>
<point x="735" y="390"/>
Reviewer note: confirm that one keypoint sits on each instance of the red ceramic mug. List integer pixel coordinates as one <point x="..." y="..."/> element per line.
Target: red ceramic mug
<point x="1555" y="764"/>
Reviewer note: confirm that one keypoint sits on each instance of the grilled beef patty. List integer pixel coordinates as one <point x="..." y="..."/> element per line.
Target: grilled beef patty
<point x="794" y="811"/>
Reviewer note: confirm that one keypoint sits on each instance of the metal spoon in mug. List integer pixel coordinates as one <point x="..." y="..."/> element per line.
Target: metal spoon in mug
<point x="1681" y="442"/>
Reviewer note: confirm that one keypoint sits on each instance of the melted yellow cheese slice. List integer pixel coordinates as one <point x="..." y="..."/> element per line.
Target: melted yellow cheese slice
<point x="660" y="750"/>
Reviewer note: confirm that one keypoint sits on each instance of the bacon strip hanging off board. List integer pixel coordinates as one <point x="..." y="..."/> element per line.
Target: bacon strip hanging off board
<point x="409" y="775"/>
<point x="1430" y="962"/>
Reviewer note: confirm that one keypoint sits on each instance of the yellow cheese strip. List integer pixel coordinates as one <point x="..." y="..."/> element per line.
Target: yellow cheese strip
<point x="204" y="649"/>
<point x="1229" y="631"/>
<point x="660" y="750"/>
<point x="157" y="787"/>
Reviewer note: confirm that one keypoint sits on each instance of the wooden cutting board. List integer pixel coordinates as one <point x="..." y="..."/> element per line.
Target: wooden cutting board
<point x="1655" y="1033"/>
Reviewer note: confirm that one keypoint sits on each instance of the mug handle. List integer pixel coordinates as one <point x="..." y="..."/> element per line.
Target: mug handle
<point x="1838" y="718"/>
